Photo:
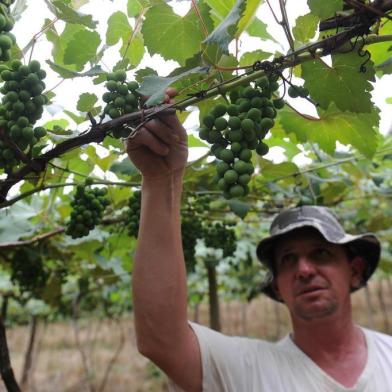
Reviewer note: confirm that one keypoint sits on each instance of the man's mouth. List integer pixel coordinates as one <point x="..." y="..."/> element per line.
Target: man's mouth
<point x="309" y="290"/>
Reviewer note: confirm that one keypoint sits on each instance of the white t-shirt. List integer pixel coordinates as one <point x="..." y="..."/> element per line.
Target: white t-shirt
<point x="239" y="364"/>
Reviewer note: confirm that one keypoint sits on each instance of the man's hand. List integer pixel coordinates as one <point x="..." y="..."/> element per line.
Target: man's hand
<point x="160" y="147"/>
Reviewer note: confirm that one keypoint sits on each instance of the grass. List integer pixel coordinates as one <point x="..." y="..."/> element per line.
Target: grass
<point x="58" y="361"/>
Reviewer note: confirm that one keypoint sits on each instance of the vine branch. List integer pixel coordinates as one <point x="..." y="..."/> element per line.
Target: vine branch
<point x="98" y="132"/>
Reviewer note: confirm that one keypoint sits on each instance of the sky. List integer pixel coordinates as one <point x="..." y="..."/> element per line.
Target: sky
<point x="69" y="91"/>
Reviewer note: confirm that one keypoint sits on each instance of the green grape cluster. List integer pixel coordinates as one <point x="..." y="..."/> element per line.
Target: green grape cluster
<point x="134" y="205"/>
<point x="121" y="98"/>
<point x="191" y="230"/>
<point x="7" y="22"/>
<point x="237" y="129"/>
<point x="21" y="106"/>
<point x="88" y="206"/>
<point x="297" y="91"/>
<point x="221" y="235"/>
<point x="197" y="209"/>
<point x="28" y="270"/>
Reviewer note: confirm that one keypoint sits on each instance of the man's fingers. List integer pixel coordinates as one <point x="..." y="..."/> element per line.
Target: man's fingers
<point x="171" y="92"/>
<point x="147" y="139"/>
<point x="161" y="130"/>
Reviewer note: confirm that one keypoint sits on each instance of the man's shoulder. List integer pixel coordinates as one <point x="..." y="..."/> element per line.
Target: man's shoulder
<point x="243" y="342"/>
<point x="379" y="337"/>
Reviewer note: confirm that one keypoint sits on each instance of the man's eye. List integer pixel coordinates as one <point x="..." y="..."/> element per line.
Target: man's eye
<point x="287" y="259"/>
<point x="321" y="253"/>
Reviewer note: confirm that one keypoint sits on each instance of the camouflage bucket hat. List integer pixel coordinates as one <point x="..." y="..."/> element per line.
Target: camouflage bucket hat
<point x="325" y="222"/>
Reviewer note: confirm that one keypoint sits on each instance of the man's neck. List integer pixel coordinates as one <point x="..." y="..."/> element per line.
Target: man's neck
<point x="337" y="346"/>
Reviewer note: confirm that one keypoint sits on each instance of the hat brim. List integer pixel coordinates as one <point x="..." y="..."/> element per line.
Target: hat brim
<point x="366" y="245"/>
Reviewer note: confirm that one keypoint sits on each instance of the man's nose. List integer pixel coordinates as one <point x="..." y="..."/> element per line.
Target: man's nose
<point x="305" y="267"/>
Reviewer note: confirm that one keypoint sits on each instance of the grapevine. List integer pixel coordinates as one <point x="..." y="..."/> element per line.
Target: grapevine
<point x="28" y="270"/>
<point x="134" y="205"/>
<point x="192" y="227"/>
<point x="88" y="206"/>
<point x="237" y="129"/>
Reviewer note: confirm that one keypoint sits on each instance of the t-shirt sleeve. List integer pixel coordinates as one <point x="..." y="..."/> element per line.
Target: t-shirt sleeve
<point x="226" y="361"/>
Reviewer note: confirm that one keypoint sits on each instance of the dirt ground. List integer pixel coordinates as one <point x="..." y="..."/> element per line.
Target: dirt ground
<point x="101" y="355"/>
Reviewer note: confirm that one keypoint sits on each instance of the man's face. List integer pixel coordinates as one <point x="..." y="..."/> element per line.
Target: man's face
<point x="313" y="276"/>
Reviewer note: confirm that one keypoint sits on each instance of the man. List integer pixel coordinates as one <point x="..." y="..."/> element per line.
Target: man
<point x="314" y="267"/>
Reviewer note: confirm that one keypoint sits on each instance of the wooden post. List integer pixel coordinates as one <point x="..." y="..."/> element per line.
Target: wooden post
<point x="29" y="352"/>
<point x="213" y="298"/>
<point x="6" y="371"/>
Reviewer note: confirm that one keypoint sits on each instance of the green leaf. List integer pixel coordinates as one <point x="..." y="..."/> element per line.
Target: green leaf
<point x="195" y="142"/>
<point x="258" y="28"/>
<point x="118" y="27"/>
<point x="86" y="102"/>
<point x="82" y="48"/>
<point x="103" y="163"/>
<point x="226" y="31"/>
<point x="155" y="86"/>
<point x="135" y="7"/>
<point x="388" y="100"/>
<point x="57" y="123"/>
<point x="60" y="43"/>
<point x="77" y="119"/>
<point x="69" y="15"/>
<point x="381" y="51"/>
<point x="239" y="208"/>
<point x="325" y="9"/>
<point x="356" y="129"/>
<point x="125" y="167"/>
<point x="170" y="35"/>
<point x="221" y="9"/>
<point x="69" y="74"/>
<point x="276" y="171"/>
<point x="133" y="50"/>
<point x="342" y="84"/>
<point x="305" y="27"/>
<point x="15" y="223"/>
<point x="249" y="58"/>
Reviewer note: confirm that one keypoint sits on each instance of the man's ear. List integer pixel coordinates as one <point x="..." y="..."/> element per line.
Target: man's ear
<point x="358" y="265"/>
<point x="276" y="289"/>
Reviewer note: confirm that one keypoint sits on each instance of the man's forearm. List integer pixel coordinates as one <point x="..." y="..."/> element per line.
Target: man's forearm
<point x="159" y="276"/>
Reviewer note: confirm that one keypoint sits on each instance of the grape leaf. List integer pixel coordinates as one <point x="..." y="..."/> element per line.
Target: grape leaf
<point x="381" y="52"/>
<point x="154" y="86"/>
<point x="86" y="102"/>
<point x="133" y="51"/>
<point x="221" y="9"/>
<point x="60" y="43"/>
<point x="195" y="142"/>
<point x="249" y="58"/>
<point x="325" y="9"/>
<point x="305" y="27"/>
<point x="170" y="35"/>
<point x="69" y="15"/>
<point x="226" y="30"/>
<point x="258" y="28"/>
<point x="135" y="7"/>
<point x="342" y="83"/>
<point x="118" y="27"/>
<point x="356" y="129"/>
<point x="82" y="48"/>
<point x="67" y="73"/>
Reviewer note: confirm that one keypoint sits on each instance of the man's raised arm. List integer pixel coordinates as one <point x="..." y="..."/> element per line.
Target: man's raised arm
<point x="159" y="277"/>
